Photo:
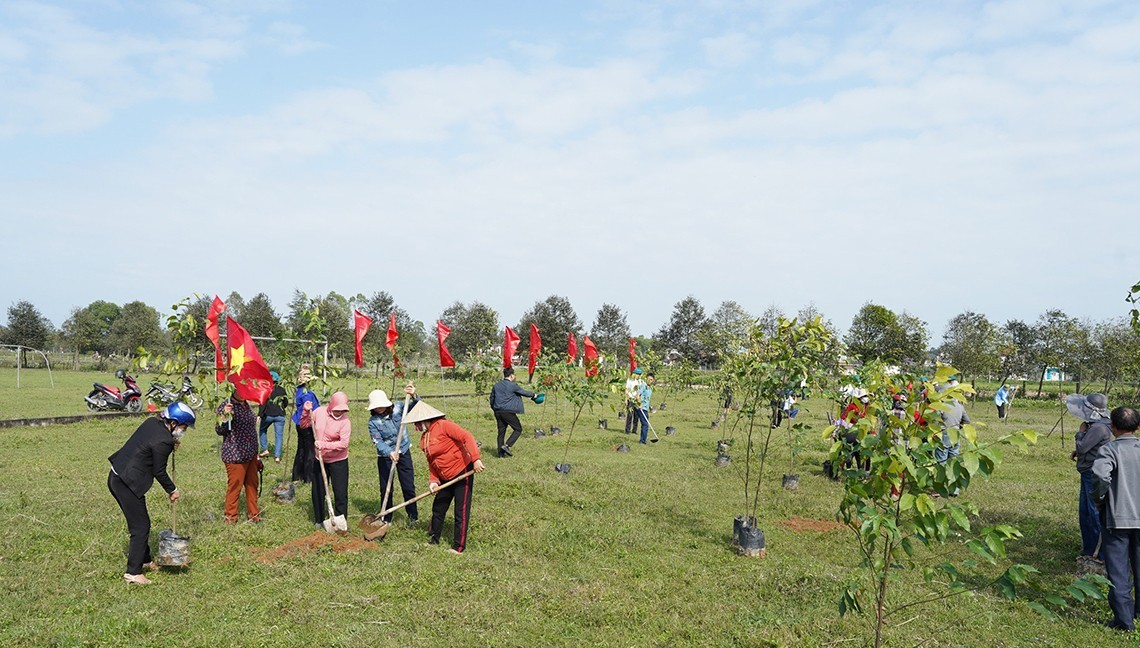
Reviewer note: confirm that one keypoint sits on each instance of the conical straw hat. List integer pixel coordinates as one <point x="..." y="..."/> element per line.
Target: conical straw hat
<point x="422" y="412"/>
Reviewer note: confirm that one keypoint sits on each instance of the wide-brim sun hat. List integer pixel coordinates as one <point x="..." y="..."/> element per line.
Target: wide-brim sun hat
<point x="377" y="399"/>
<point x="422" y="412"/>
<point x="1093" y="407"/>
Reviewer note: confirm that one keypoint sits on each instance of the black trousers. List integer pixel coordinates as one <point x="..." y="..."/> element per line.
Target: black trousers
<point x="460" y="493"/>
<point x="407" y="478"/>
<point x="338" y="476"/>
<point x="631" y="408"/>
<point x="504" y="419"/>
<point x="138" y="522"/>
<point x="1001" y="411"/>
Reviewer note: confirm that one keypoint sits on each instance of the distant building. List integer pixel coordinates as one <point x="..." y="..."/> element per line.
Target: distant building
<point x="1053" y="373"/>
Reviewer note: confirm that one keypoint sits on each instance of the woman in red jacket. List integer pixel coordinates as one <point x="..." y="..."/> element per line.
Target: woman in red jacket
<point x="451" y="451"/>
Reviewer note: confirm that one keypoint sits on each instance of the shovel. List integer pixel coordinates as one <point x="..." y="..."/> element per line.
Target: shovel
<point x="173" y="549"/>
<point x="655" y="438"/>
<point x="333" y="523"/>
<point x="378" y="532"/>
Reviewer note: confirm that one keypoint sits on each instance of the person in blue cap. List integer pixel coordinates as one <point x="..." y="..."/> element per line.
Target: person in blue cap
<point x="273" y="413"/>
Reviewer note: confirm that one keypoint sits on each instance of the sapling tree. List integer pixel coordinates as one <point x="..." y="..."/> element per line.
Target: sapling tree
<point x="759" y="376"/>
<point x="910" y="513"/>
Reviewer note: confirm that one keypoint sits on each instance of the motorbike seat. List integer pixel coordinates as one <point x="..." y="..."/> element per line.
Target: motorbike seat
<point x="112" y="390"/>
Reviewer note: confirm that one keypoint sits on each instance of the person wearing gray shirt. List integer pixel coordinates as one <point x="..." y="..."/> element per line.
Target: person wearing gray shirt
<point x="1093" y="434"/>
<point x="1116" y="484"/>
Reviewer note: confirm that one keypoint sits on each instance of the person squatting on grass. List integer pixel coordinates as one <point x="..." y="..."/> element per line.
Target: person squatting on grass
<point x="1116" y="485"/>
<point x="237" y="425"/>
<point x="632" y="399"/>
<point x="450" y="451"/>
<point x="1093" y="434"/>
<point x="332" y="430"/>
<point x="304" y="462"/>
<point x="384" y="428"/>
<point x="134" y="467"/>
<point x="273" y="413"/>
<point x="506" y="403"/>
<point x="643" y="396"/>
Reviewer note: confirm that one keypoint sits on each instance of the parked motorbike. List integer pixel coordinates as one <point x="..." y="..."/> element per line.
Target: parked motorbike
<point x="165" y="394"/>
<point x="106" y="397"/>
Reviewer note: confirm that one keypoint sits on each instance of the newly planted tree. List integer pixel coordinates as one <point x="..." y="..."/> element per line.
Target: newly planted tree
<point x="905" y="498"/>
<point x="760" y="376"/>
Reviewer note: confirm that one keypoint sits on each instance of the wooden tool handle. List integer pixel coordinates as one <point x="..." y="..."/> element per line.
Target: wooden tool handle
<point x="423" y="495"/>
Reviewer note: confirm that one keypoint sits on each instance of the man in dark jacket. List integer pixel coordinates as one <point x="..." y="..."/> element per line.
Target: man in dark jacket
<point x="506" y="403"/>
<point x="1116" y="484"/>
<point x="136" y="465"/>
<point x="1092" y="435"/>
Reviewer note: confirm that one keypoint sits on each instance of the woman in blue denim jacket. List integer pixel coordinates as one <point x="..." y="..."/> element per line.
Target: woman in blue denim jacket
<point x="384" y="428"/>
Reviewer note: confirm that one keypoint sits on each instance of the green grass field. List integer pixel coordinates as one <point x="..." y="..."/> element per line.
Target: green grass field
<point x="629" y="549"/>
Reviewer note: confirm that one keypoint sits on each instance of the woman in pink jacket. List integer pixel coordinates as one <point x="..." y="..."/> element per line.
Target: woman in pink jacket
<point x="331" y="432"/>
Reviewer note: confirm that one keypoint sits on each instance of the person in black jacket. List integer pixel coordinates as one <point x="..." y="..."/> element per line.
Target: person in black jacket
<point x="136" y="465"/>
<point x="506" y="403"/>
<point x="273" y="413"/>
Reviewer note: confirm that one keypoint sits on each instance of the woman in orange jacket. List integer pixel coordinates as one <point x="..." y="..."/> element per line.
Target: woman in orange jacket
<point x="451" y="451"/>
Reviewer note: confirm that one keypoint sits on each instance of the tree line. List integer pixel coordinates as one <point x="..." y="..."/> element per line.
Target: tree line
<point x="1106" y="352"/>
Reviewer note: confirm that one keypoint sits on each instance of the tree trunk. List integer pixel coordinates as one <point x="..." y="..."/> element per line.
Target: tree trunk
<point x="1041" y="383"/>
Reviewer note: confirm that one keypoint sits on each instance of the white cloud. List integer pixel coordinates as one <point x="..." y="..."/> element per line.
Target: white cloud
<point x="729" y="50"/>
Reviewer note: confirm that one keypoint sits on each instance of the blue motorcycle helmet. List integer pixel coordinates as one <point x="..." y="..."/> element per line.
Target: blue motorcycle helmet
<point x="180" y="413"/>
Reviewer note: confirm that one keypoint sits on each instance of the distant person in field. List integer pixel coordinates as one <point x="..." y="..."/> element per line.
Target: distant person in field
<point x="134" y="467"/>
<point x="451" y="451"/>
<point x="644" y="395"/>
<point x="1002" y="399"/>
<point x="305" y="401"/>
<point x="1093" y="434"/>
<point x="1116" y="485"/>
<point x="273" y="413"/>
<point x="632" y="399"/>
<point x="506" y="403"/>
<point x="237" y="425"/>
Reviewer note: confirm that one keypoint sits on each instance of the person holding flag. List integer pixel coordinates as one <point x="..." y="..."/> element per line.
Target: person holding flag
<point x="237" y="424"/>
<point x="506" y="403"/>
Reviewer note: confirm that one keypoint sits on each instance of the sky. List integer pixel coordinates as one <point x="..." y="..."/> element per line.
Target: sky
<point x="929" y="157"/>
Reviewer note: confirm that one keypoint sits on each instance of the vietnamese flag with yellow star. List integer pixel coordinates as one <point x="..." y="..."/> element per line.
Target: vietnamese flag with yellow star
<point x="217" y="307"/>
<point x="247" y="371"/>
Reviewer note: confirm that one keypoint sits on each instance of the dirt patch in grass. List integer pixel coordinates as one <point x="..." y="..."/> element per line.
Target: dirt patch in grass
<point x="310" y="543"/>
<point x="804" y="525"/>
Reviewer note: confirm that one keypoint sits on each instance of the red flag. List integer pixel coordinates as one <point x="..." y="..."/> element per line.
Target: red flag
<point x="217" y="307"/>
<point x="361" y="322"/>
<point x="590" y="355"/>
<point x="445" y="359"/>
<point x="393" y="335"/>
<point x="571" y="349"/>
<point x="247" y="371"/>
<point x="510" y="345"/>
<point x="535" y="348"/>
<point x="632" y="354"/>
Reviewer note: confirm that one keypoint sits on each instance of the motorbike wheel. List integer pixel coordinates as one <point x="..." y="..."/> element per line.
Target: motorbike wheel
<point x="98" y="404"/>
<point x="194" y="400"/>
<point x="134" y="405"/>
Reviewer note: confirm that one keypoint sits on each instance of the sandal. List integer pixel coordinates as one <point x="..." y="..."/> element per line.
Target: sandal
<point x="151" y="566"/>
<point x="264" y="453"/>
<point x="136" y="579"/>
